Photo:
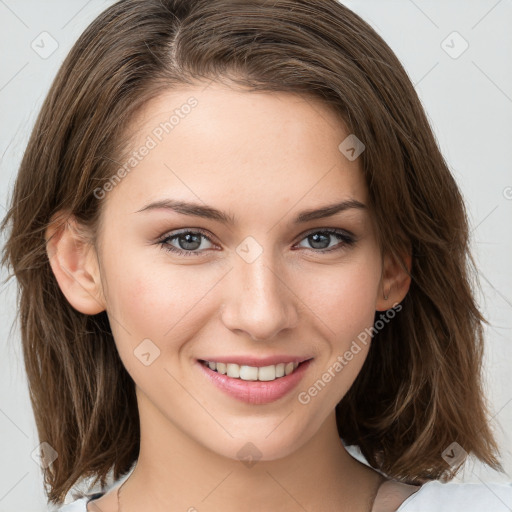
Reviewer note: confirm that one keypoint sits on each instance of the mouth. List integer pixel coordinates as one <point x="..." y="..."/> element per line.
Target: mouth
<point x="267" y="373"/>
<point x="255" y="384"/>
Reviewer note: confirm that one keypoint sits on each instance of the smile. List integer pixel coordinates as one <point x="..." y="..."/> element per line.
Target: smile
<point x="255" y="385"/>
<point x="252" y="373"/>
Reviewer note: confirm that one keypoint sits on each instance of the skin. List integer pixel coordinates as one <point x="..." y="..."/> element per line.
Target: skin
<point x="262" y="157"/>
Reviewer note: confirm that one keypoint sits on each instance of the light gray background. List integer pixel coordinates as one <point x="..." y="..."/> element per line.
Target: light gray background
<point x="468" y="100"/>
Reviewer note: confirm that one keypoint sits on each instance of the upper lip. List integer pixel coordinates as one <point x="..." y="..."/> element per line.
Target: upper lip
<point x="257" y="361"/>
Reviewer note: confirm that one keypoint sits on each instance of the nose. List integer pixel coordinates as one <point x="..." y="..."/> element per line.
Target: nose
<point x="260" y="302"/>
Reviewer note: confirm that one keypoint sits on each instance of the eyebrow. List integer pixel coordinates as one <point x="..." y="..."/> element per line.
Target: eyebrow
<point x="208" y="212"/>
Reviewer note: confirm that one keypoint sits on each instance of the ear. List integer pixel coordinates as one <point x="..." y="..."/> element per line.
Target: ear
<point x="395" y="280"/>
<point x="74" y="263"/>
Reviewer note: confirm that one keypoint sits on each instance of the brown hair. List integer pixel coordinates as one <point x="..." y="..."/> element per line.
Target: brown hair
<point x="420" y="388"/>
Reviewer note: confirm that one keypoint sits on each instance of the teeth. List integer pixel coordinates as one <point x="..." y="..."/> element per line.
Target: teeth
<point x="243" y="372"/>
<point x="267" y="373"/>
<point x="233" y="370"/>
<point x="288" y="368"/>
<point x="248" y="373"/>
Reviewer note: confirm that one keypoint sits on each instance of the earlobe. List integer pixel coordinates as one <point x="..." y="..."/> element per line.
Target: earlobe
<point x="395" y="281"/>
<point x="74" y="264"/>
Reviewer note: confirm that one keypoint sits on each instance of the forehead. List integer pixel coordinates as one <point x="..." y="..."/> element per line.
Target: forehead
<point x="230" y="144"/>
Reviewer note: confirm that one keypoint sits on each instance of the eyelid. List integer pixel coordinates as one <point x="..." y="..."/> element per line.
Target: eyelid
<point x="327" y="230"/>
<point x="173" y="233"/>
<point x="348" y="239"/>
<point x="210" y="237"/>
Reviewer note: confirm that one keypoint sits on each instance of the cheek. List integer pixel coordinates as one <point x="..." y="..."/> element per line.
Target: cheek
<point x="348" y="310"/>
<point x="343" y="298"/>
<point x="149" y="300"/>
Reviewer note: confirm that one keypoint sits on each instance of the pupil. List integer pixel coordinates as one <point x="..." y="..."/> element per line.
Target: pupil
<point x="314" y="240"/>
<point x="189" y="239"/>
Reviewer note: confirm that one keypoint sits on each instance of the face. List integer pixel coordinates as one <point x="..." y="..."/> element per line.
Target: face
<point x="259" y="284"/>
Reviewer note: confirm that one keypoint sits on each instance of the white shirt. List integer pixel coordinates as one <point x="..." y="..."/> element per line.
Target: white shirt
<point x="433" y="496"/>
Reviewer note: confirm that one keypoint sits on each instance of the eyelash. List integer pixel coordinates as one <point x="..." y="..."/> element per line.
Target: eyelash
<point x="347" y="239"/>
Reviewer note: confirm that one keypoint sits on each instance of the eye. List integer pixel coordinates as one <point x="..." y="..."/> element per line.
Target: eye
<point x="188" y="242"/>
<point x="320" y="240"/>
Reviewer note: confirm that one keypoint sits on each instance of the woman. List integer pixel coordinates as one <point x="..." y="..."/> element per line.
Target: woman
<point x="314" y="288"/>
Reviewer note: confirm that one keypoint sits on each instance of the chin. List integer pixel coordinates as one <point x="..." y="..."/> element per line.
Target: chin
<point x="262" y="443"/>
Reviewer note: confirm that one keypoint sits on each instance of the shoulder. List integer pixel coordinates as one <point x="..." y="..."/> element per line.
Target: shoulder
<point x="79" y="505"/>
<point x="442" y="497"/>
<point x="463" y="497"/>
<point x="76" y="506"/>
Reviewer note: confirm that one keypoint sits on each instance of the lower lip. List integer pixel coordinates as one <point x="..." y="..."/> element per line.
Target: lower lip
<point x="256" y="392"/>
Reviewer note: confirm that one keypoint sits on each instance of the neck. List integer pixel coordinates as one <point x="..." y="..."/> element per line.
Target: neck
<point x="173" y="472"/>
